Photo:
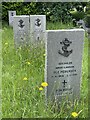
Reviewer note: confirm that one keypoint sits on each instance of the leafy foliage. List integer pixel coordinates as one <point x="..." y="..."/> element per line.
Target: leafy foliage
<point x="54" y="11"/>
<point x="87" y="19"/>
<point x="78" y="10"/>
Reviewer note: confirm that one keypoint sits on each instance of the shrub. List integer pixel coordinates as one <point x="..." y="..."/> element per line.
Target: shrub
<point x="77" y="15"/>
<point x="87" y="17"/>
<point x="53" y="11"/>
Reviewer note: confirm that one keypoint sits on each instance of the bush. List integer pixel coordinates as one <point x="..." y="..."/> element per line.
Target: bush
<point x="87" y="17"/>
<point x="53" y="11"/>
<point x="88" y="21"/>
<point x="77" y="15"/>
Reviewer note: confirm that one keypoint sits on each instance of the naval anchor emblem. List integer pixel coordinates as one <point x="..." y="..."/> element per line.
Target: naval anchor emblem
<point x="12" y="14"/>
<point x="38" y="22"/>
<point x="66" y="43"/>
<point x="21" y="25"/>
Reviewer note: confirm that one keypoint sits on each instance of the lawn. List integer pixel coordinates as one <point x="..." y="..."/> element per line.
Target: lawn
<point x="22" y="75"/>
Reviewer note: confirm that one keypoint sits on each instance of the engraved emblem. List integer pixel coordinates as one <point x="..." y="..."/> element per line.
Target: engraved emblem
<point x="21" y="23"/>
<point x="66" y="43"/>
<point x="38" y="22"/>
<point x="64" y="83"/>
<point x="37" y="38"/>
<point x="21" y="38"/>
<point x="12" y="14"/>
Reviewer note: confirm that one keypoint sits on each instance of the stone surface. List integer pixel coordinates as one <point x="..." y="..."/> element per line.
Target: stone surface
<point x="30" y="0"/>
<point x="11" y="15"/>
<point x="64" y="52"/>
<point x="5" y="0"/>
<point x="21" y="30"/>
<point x="10" y="0"/>
<point x="37" y="27"/>
<point x="60" y="0"/>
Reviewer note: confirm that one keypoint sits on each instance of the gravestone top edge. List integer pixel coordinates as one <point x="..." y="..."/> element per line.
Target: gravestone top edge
<point x="65" y="30"/>
<point x="11" y="11"/>
<point x="16" y="16"/>
<point x="37" y="15"/>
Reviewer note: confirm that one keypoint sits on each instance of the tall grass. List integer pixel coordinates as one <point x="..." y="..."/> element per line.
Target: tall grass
<point x="22" y="98"/>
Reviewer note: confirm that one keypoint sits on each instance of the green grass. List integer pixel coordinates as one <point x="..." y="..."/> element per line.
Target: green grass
<point x="57" y="25"/>
<point x="22" y="98"/>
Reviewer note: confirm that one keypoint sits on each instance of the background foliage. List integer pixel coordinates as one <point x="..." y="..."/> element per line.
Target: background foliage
<point x="87" y="17"/>
<point x="54" y="11"/>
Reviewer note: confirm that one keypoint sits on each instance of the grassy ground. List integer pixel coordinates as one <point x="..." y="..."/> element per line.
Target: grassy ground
<point x="22" y="98"/>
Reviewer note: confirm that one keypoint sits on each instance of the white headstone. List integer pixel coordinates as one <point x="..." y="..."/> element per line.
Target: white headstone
<point x="37" y="27"/>
<point x="60" y="0"/>
<point x="63" y="63"/>
<point x="81" y="23"/>
<point x="21" y="30"/>
<point x="11" y="0"/>
<point x="5" y="0"/>
<point x="30" y="0"/>
<point x="11" y="15"/>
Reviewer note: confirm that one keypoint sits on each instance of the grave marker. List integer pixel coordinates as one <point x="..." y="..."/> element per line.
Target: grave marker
<point x="37" y="27"/>
<point x="60" y="0"/>
<point x="81" y="24"/>
<point x="11" y="15"/>
<point x="30" y="0"/>
<point x="63" y="63"/>
<point x="21" y="30"/>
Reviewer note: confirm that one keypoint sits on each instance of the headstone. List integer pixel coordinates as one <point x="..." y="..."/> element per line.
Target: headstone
<point x="5" y="0"/>
<point x="30" y="0"/>
<point x="11" y="0"/>
<point x="11" y="15"/>
<point x="37" y="27"/>
<point x="21" y="30"/>
<point x="64" y="51"/>
<point x="81" y="24"/>
<point x="61" y="0"/>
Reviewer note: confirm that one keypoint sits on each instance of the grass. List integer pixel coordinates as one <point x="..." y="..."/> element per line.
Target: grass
<point x="22" y="98"/>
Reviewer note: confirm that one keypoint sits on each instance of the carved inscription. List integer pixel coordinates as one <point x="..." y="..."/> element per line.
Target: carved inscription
<point x="64" y="91"/>
<point x="64" y="69"/>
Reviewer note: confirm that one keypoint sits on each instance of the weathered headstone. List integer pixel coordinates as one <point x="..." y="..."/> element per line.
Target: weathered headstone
<point x="11" y="15"/>
<point x="63" y="63"/>
<point x="30" y="0"/>
<point x="21" y="30"/>
<point x="81" y="23"/>
<point x="10" y="0"/>
<point x="37" y="27"/>
<point x="60" y="0"/>
<point x="5" y="0"/>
